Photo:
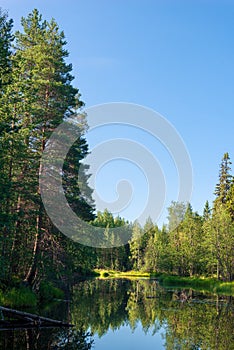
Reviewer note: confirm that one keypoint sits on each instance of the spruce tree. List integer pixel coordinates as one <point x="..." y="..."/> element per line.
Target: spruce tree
<point x="225" y="178"/>
<point x="206" y="211"/>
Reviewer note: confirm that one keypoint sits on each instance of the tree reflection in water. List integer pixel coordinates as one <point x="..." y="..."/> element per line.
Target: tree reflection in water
<point x="42" y="338"/>
<point x="189" y="319"/>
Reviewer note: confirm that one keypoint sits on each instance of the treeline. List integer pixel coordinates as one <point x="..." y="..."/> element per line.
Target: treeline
<point x="190" y="244"/>
<point x="37" y="95"/>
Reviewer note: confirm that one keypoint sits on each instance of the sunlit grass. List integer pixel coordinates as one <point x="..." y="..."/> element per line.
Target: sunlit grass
<point x="207" y="284"/>
<point x="119" y="274"/>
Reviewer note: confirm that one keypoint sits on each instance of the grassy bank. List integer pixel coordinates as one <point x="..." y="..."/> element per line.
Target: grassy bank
<point x="211" y="285"/>
<point x="20" y="296"/>
<point x="119" y="274"/>
<point x="199" y="283"/>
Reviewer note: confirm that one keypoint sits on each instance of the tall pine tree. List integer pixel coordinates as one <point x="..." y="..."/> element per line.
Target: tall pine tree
<point x="6" y="219"/>
<point x="225" y="178"/>
<point x="39" y="97"/>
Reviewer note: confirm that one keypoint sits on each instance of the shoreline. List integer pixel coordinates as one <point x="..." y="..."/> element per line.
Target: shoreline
<point x="207" y="284"/>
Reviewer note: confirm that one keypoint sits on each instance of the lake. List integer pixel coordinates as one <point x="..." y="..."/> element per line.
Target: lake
<point x="140" y="314"/>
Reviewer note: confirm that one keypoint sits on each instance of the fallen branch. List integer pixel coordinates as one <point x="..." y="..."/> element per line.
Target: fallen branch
<point x="32" y="319"/>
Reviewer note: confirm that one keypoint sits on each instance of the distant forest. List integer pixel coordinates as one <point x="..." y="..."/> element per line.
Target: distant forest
<point x="37" y="95"/>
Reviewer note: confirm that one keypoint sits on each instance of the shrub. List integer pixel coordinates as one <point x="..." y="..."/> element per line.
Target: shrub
<point x="49" y="292"/>
<point x="18" y="297"/>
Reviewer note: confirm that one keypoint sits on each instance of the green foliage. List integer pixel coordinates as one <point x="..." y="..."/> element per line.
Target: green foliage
<point x="36" y="95"/>
<point x="206" y="211"/>
<point x="137" y="246"/>
<point x="230" y="199"/>
<point x="204" y="321"/>
<point x="219" y="241"/>
<point x="117" y="257"/>
<point x="6" y="39"/>
<point x="49" y="292"/>
<point x="176" y="212"/>
<point x="208" y="284"/>
<point x="225" y="179"/>
<point x="18" y="297"/>
<point x="104" y="219"/>
<point x="191" y="244"/>
<point x="226" y="288"/>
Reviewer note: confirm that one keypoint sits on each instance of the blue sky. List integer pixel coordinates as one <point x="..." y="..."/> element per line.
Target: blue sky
<point x="175" y="57"/>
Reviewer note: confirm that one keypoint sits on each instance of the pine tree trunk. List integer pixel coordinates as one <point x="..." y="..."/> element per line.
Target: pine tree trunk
<point x="32" y="271"/>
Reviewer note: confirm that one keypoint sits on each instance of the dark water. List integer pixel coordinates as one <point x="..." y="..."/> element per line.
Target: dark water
<point x="123" y="314"/>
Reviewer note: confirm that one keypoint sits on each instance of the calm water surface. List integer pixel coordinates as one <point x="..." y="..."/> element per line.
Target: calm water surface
<point x="139" y="314"/>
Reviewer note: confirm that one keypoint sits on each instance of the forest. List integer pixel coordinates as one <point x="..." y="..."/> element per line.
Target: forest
<point x="37" y="95"/>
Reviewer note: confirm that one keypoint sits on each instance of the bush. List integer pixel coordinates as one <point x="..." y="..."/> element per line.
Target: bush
<point x="49" y="292"/>
<point x="18" y="297"/>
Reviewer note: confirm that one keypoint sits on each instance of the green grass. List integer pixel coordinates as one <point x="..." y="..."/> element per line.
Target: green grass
<point x="226" y="288"/>
<point x="21" y="296"/>
<point x="18" y="297"/>
<point x="200" y="283"/>
<point x="119" y="274"/>
<point x="211" y="285"/>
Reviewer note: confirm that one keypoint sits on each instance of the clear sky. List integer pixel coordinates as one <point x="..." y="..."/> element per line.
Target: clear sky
<point x="176" y="57"/>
